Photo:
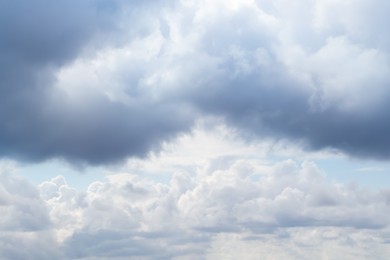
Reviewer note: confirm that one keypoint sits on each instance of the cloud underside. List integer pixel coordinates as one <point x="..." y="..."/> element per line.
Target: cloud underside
<point x="239" y="210"/>
<point x="118" y="79"/>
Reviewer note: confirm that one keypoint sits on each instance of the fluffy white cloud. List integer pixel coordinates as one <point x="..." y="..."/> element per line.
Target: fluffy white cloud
<point x="285" y="206"/>
<point x="223" y="40"/>
<point x="241" y="207"/>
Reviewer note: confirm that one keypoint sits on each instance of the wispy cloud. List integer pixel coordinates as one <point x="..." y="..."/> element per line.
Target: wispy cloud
<point x="370" y="169"/>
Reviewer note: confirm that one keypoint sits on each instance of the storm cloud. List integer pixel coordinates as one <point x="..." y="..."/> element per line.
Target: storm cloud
<point x="39" y="121"/>
<point x="97" y="82"/>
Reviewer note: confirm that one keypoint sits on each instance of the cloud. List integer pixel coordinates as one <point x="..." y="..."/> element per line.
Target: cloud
<point x="285" y="86"/>
<point x="21" y="206"/>
<point x="228" y="202"/>
<point x="25" y="221"/>
<point x="301" y="243"/>
<point x="119" y="79"/>
<point x="96" y="82"/>
<point x="40" y="121"/>
<point x="191" y="214"/>
<point x="285" y="206"/>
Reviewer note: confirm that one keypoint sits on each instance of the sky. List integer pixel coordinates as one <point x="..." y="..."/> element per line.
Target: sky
<point x="182" y="129"/>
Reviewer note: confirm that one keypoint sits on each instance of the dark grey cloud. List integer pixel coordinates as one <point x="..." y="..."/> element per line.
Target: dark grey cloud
<point x="334" y="96"/>
<point x="100" y="132"/>
<point x="278" y="108"/>
<point x="39" y="122"/>
<point x="267" y="70"/>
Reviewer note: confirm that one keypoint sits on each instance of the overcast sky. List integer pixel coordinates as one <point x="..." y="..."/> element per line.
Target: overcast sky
<point x="220" y="129"/>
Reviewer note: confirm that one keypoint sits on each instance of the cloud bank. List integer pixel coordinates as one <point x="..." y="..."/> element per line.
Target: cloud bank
<point x="119" y="79"/>
<point x="244" y="209"/>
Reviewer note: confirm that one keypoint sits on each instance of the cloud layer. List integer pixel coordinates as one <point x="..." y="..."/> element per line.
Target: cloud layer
<point x="243" y="208"/>
<point x="120" y="78"/>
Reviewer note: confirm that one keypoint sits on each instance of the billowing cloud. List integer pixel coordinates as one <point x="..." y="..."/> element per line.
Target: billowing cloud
<point x="118" y="79"/>
<point x="281" y="71"/>
<point x="39" y="120"/>
<point x="189" y="216"/>
<point x="243" y="208"/>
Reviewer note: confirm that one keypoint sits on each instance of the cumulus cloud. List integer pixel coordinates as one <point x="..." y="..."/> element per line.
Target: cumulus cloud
<point x="245" y="208"/>
<point x="283" y="84"/>
<point x="192" y="214"/>
<point x="120" y="78"/>
<point x="182" y="203"/>
<point x="25" y="225"/>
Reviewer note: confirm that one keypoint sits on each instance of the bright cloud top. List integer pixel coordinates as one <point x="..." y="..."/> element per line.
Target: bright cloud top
<point x="119" y="79"/>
